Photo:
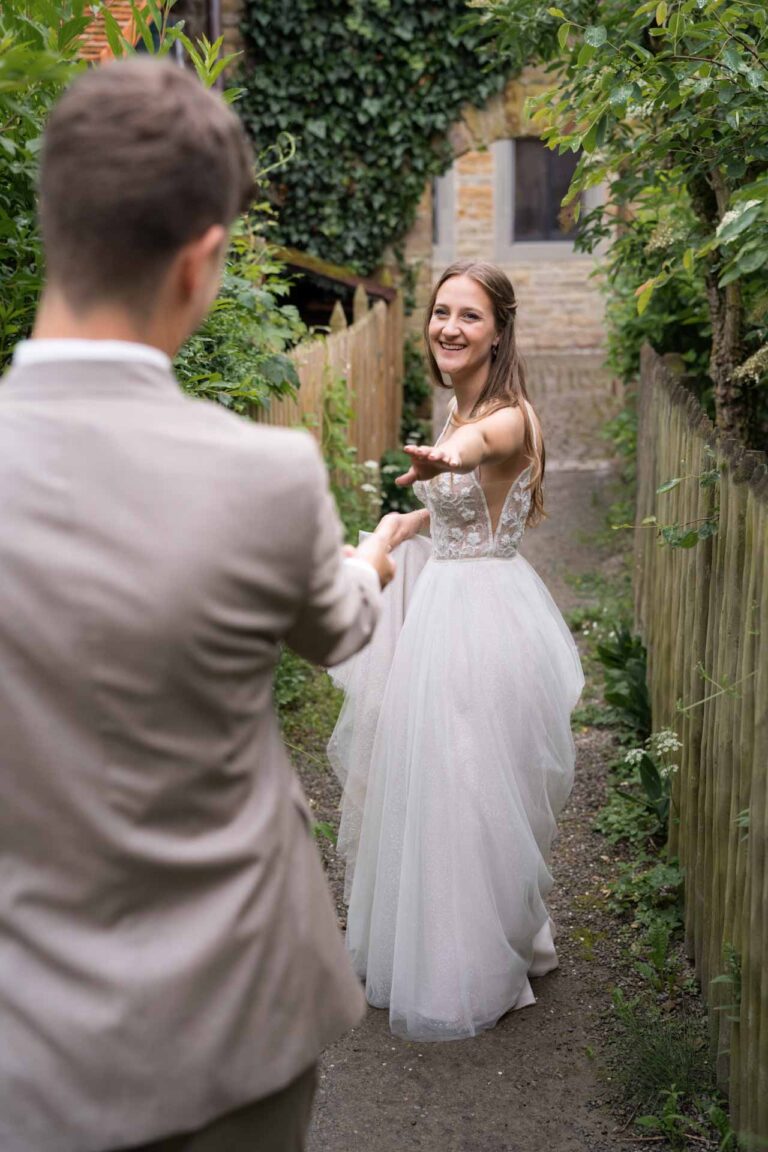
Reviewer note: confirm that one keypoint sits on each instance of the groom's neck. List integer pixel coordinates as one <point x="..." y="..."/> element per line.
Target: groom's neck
<point x="57" y="320"/>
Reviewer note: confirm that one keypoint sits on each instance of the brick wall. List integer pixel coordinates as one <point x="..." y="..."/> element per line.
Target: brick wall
<point x="231" y="15"/>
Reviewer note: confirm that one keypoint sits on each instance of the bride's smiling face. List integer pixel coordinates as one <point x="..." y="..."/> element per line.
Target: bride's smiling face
<point x="462" y="329"/>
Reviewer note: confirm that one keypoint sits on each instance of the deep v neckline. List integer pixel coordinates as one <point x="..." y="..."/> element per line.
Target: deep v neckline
<point x="493" y="529"/>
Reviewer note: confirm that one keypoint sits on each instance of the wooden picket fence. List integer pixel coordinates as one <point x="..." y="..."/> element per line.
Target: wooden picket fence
<point x="703" y="613"/>
<point x="369" y="356"/>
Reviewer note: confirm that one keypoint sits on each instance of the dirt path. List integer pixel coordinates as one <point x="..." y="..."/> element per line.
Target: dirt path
<point x="530" y="1084"/>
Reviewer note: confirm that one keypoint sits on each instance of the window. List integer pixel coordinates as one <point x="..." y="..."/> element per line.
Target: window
<point x="541" y="180"/>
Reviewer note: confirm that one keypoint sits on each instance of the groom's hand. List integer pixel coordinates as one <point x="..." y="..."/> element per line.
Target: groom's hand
<point x="375" y="551"/>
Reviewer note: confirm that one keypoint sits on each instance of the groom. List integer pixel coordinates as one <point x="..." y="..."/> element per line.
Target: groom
<point x="170" y="965"/>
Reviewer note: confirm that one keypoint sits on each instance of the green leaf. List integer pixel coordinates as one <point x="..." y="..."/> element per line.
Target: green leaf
<point x="317" y="128"/>
<point x="689" y="540"/>
<point x="668" y="485"/>
<point x="142" y="24"/>
<point x="735" y="221"/>
<point x="689" y="259"/>
<point x="676" y="25"/>
<point x="115" y="38"/>
<point x="596" y="35"/>
<point x="557" y="13"/>
<point x="707" y="529"/>
<point x="563" y="33"/>
<point x="661" y="13"/>
<point x="644" y="297"/>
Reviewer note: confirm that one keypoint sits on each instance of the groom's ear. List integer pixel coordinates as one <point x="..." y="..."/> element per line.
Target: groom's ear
<point x="200" y="264"/>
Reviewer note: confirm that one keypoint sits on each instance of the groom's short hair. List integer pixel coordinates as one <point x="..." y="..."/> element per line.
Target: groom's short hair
<point x="138" y="159"/>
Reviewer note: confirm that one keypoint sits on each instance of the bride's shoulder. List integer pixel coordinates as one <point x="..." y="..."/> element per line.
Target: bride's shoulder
<point x="503" y="420"/>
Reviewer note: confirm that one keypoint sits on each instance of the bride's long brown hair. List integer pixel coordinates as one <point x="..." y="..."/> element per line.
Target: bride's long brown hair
<point x="505" y="386"/>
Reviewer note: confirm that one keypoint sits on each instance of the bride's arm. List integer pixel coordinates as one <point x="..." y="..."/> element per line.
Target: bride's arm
<point x="396" y="527"/>
<point x="488" y="441"/>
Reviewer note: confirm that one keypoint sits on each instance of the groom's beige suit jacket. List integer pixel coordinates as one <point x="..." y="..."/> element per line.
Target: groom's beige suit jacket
<point x="168" y="947"/>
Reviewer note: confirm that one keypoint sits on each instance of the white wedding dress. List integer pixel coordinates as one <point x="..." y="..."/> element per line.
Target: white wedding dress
<point x="455" y="751"/>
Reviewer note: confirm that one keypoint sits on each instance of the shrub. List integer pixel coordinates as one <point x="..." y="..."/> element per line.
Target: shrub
<point x="238" y="356"/>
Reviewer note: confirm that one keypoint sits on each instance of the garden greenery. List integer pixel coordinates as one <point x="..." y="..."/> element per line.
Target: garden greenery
<point x="370" y="89"/>
<point x="239" y="355"/>
<point x="666" y="101"/>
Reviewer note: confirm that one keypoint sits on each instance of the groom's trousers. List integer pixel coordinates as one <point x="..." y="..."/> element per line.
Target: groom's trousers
<point x="278" y="1123"/>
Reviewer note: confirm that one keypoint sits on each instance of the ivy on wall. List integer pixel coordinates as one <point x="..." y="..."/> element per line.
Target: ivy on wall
<point x="369" y="88"/>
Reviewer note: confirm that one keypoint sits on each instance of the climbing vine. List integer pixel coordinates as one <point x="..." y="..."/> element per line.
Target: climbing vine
<point x="370" y="89"/>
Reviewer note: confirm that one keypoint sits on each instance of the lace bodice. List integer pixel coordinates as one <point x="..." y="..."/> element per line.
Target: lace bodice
<point x="460" y="521"/>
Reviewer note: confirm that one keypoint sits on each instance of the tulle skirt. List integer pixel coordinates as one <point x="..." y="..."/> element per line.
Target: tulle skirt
<point x="455" y="750"/>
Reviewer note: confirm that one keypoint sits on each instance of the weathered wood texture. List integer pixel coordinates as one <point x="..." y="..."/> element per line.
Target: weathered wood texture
<point x="369" y="355"/>
<point x="703" y="613"/>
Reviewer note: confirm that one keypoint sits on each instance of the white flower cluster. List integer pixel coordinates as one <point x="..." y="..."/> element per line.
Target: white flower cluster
<point x="664" y="743"/>
<point x="661" y="745"/>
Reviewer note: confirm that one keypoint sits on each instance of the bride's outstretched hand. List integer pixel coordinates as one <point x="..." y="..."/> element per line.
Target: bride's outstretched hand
<point x="427" y="462"/>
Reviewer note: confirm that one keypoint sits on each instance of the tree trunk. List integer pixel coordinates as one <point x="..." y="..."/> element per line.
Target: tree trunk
<point x="733" y="409"/>
<point x="732" y="400"/>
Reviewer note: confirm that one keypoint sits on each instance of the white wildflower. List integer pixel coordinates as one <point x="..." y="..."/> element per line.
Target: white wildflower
<point x="368" y="488"/>
<point x="634" y="757"/>
<point x="664" y="743"/>
<point x="372" y="464"/>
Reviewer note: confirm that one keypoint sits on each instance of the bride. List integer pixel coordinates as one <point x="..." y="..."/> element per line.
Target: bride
<point x="454" y="742"/>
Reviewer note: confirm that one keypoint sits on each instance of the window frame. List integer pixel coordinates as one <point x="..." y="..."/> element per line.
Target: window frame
<point x="444" y="217"/>
<point x="507" y="249"/>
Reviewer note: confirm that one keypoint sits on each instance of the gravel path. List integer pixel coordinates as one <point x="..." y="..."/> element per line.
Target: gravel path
<point x="530" y="1084"/>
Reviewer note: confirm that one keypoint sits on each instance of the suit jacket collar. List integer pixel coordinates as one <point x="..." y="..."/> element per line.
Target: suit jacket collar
<point x="45" y="351"/>
<point x="93" y="377"/>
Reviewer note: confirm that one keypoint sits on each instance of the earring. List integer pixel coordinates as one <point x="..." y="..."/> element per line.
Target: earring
<point x="494" y="351"/>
